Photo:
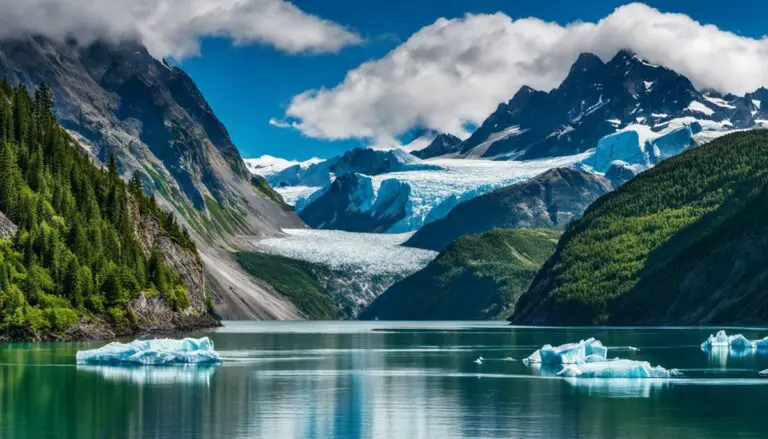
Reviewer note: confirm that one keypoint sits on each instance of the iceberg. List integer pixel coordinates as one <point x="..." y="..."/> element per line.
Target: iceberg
<point x="737" y="342"/>
<point x="152" y="352"/>
<point x="585" y="351"/>
<point x="618" y="368"/>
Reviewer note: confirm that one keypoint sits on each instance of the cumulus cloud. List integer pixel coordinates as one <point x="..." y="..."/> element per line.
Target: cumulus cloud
<point x="455" y="72"/>
<point x="174" y="27"/>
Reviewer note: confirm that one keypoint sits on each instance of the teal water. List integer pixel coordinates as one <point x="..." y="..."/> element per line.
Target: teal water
<point x="385" y="380"/>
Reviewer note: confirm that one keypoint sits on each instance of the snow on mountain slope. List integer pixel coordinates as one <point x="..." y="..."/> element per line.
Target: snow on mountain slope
<point x="432" y="193"/>
<point x="268" y="165"/>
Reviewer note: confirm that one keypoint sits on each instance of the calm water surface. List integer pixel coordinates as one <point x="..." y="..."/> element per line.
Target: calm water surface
<point x="386" y="380"/>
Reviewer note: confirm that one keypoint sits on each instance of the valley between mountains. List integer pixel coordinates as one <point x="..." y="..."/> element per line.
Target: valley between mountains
<point x="623" y="196"/>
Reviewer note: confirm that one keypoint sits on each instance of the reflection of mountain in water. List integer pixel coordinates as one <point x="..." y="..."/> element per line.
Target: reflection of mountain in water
<point x="141" y="375"/>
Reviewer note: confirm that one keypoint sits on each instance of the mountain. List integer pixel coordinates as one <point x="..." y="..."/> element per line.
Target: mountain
<point x="267" y="165"/>
<point x="442" y="145"/>
<point x="621" y="172"/>
<point x="683" y="243"/>
<point x="350" y="204"/>
<point x="597" y="99"/>
<point x="551" y="200"/>
<point x="117" y="99"/>
<point x="478" y="277"/>
<point x="358" y="160"/>
<point x="82" y="253"/>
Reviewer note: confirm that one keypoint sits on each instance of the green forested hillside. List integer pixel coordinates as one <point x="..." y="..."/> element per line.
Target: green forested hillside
<point x="74" y="254"/>
<point x="477" y="277"/>
<point x="685" y="242"/>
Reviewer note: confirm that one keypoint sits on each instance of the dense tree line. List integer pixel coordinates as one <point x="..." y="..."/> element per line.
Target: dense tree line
<point x="75" y="254"/>
<point x="660" y="222"/>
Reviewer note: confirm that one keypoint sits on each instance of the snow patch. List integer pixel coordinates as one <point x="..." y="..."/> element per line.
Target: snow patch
<point x="720" y="102"/>
<point x="267" y="165"/>
<point x="700" y="108"/>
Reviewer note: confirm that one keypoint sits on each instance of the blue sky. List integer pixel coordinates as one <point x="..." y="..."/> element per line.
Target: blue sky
<point x="249" y="84"/>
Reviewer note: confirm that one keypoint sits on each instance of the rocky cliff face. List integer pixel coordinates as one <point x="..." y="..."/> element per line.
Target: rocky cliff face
<point x="155" y="314"/>
<point x="117" y="99"/>
<point x="7" y="227"/>
<point x="550" y="200"/>
<point x="442" y="145"/>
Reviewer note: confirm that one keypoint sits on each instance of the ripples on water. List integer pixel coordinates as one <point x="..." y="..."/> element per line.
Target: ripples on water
<point x="386" y="380"/>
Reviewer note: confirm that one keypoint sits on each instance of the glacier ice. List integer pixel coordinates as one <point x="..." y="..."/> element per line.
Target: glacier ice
<point x="737" y="342"/>
<point x="374" y="253"/>
<point x="619" y="368"/>
<point x="152" y="352"/>
<point x="267" y="165"/>
<point x="585" y="351"/>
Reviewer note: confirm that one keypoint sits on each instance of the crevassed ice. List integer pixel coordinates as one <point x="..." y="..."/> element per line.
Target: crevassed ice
<point x="371" y="253"/>
<point x="618" y="368"/>
<point x="152" y="352"/>
<point x="734" y="342"/>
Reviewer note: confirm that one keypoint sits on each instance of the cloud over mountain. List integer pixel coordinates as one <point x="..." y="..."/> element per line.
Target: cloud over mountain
<point x="455" y="72"/>
<point x="174" y="27"/>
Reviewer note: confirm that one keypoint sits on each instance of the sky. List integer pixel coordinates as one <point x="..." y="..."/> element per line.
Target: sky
<point x="250" y="85"/>
<point x="313" y="78"/>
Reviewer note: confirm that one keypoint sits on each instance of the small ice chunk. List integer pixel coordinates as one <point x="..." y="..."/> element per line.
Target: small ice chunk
<point x="569" y="353"/>
<point x="735" y="342"/>
<point x="152" y="352"/>
<point x="617" y="369"/>
<point x="764" y="373"/>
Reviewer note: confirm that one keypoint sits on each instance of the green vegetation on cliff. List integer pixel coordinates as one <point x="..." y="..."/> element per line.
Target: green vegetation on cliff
<point x="74" y="256"/>
<point x="477" y="277"/>
<point x="296" y="280"/>
<point x="683" y="243"/>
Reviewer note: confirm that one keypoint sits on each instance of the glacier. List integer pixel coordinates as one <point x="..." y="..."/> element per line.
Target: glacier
<point x="152" y="352"/>
<point x="737" y="342"/>
<point x="585" y="351"/>
<point x="431" y="193"/>
<point x="618" y="368"/>
<point x="267" y="165"/>
<point x="362" y="265"/>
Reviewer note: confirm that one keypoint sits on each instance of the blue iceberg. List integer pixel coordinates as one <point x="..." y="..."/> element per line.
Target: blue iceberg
<point x="585" y="351"/>
<point x="737" y="342"/>
<point x="153" y="352"/>
<point x="617" y="369"/>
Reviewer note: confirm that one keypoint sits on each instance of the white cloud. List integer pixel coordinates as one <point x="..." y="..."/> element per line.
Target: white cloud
<point x="174" y="27"/>
<point x="457" y="71"/>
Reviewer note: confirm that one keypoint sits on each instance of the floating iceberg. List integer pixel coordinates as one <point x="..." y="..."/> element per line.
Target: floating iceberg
<point x="152" y="352"/>
<point x="617" y="369"/>
<point x="585" y="351"/>
<point x="733" y="342"/>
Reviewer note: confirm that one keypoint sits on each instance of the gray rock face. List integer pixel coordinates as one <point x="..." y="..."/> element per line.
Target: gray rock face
<point x="550" y="200"/>
<point x="621" y="172"/>
<point x="117" y="99"/>
<point x="7" y="227"/>
<point x="442" y="145"/>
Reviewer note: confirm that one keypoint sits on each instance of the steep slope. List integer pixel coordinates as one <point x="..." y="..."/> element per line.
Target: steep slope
<point x="82" y="253"/>
<point x="442" y="145"/>
<point x="598" y="99"/>
<point x="477" y="277"/>
<point x="117" y="99"/>
<point x="683" y="243"/>
<point x="552" y="199"/>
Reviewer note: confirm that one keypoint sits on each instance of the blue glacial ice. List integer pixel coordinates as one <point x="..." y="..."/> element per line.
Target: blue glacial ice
<point x="618" y="368"/>
<point x="737" y="342"/>
<point x="588" y="359"/>
<point x="153" y="352"/>
<point x="585" y="351"/>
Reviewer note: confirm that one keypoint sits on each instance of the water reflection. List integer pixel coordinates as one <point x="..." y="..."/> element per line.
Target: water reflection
<point x="619" y="387"/>
<point x="198" y="374"/>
